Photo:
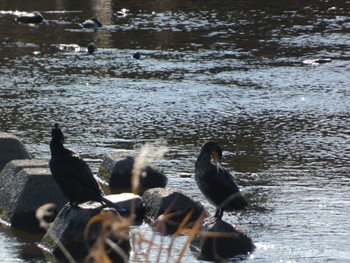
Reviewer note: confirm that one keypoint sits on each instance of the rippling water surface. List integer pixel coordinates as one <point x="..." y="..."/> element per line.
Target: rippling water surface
<point x="245" y="73"/>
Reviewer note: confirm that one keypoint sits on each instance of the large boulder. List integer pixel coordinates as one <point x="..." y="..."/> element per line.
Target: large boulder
<point x="30" y="18"/>
<point x="11" y="148"/>
<point x="168" y="208"/>
<point x="117" y="169"/>
<point x="26" y="185"/>
<point x="68" y="228"/>
<point x="218" y="240"/>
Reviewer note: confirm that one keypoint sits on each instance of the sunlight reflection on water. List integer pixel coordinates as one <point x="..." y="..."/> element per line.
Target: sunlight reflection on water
<point x="206" y="71"/>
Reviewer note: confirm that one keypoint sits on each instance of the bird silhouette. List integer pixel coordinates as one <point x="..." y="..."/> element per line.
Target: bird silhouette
<point x="73" y="175"/>
<point x="215" y="182"/>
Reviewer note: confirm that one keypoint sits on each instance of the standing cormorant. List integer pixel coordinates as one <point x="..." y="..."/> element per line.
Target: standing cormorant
<point x="91" y="48"/>
<point x="73" y="174"/>
<point x="215" y="182"/>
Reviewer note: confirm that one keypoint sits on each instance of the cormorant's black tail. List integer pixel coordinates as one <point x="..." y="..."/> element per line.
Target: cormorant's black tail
<point x="110" y="204"/>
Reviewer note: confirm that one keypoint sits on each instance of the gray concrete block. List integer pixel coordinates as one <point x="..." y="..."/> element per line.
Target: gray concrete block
<point x="26" y="185"/>
<point x="11" y="148"/>
<point x="69" y="225"/>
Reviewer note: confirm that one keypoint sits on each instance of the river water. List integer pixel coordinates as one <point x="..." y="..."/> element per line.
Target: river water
<point x="267" y="79"/>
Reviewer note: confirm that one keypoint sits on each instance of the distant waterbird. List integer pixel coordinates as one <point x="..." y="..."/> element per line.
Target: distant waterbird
<point x="91" y="48"/>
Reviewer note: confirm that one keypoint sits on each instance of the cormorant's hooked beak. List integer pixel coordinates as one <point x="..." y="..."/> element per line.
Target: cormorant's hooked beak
<point x="57" y="130"/>
<point x="216" y="159"/>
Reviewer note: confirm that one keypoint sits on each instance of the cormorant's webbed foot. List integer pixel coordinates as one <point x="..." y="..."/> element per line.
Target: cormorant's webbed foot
<point x="218" y="214"/>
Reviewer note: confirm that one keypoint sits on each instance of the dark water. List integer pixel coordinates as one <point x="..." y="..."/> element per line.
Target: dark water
<point x="240" y="72"/>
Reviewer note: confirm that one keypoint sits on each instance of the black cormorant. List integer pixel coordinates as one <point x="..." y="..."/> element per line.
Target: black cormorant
<point x="215" y="182"/>
<point x="73" y="174"/>
<point x="91" y="48"/>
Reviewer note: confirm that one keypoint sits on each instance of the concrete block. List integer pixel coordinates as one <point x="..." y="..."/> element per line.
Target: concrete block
<point x="26" y="185"/>
<point x="116" y="168"/>
<point x="69" y="225"/>
<point x="11" y="148"/>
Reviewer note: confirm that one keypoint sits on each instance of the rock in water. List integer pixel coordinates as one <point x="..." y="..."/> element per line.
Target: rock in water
<point x="160" y="202"/>
<point x="69" y="226"/>
<point x="117" y="169"/>
<point x="11" y="148"/>
<point x="228" y="242"/>
<point x="30" y="18"/>
<point x="26" y="185"/>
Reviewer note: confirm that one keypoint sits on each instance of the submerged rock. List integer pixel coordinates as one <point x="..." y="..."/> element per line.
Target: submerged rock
<point x="219" y="240"/>
<point x="11" y="148"/>
<point x="117" y="169"/>
<point x="136" y="55"/>
<point x="26" y="185"/>
<point x="171" y="206"/>
<point x="30" y="18"/>
<point x="92" y="23"/>
<point x="69" y="226"/>
<point x="69" y="47"/>
<point x="317" y="61"/>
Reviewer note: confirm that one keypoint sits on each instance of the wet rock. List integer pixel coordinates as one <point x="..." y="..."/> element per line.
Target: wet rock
<point x="26" y="185"/>
<point x="122" y="12"/>
<point x="92" y="23"/>
<point x="69" y="225"/>
<point x="11" y="148"/>
<point x="131" y="203"/>
<point x="91" y="48"/>
<point x="69" y="47"/>
<point x="228" y="242"/>
<point x="117" y="169"/>
<point x="165" y="201"/>
<point x="137" y="55"/>
<point x="185" y="175"/>
<point x="30" y="18"/>
<point x="317" y="61"/>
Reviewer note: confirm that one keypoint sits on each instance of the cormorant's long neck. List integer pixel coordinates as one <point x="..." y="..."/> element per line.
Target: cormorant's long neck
<point x="56" y="147"/>
<point x="204" y="160"/>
